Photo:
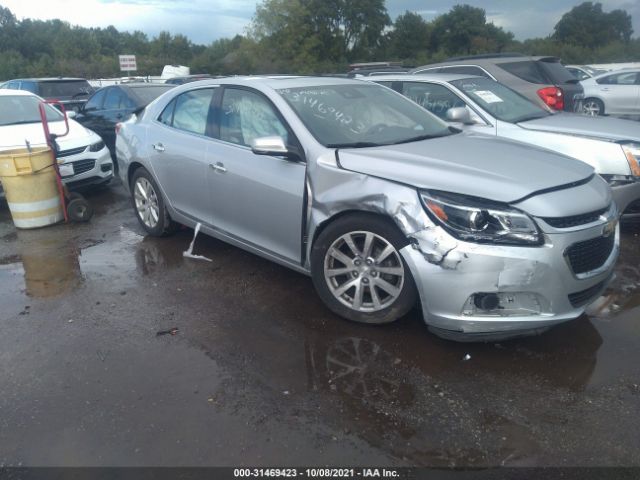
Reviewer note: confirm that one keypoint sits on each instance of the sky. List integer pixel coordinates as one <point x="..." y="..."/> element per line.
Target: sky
<point x="204" y="21"/>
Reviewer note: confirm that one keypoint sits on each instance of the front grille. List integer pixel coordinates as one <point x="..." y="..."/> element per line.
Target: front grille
<point x="583" y="297"/>
<point x="591" y="254"/>
<point x="575" y="220"/>
<point x="71" y="151"/>
<point x="82" y="166"/>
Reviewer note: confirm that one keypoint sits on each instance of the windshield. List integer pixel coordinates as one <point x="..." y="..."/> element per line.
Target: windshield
<point x="21" y="109"/>
<point x="500" y="101"/>
<point x="65" y="89"/>
<point x="361" y="115"/>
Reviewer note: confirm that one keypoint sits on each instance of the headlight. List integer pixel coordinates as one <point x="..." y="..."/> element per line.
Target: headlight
<point x="632" y="152"/>
<point x="96" y="147"/>
<point x="481" y="221"/>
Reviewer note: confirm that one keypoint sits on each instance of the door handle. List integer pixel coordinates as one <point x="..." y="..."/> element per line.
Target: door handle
<point x="119" y="116"/>
<point x="158" y="147"/>
<point x="218" y="167"/>
<point x="604" y="89"/>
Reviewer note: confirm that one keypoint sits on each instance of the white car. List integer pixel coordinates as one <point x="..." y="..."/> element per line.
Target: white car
<point x="610" y="145"/>
<point x="86" y="158"/>
<point x="613" y="93"/>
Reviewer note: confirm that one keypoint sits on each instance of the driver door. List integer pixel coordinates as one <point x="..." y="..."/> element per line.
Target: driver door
<point x="257" y="199"/>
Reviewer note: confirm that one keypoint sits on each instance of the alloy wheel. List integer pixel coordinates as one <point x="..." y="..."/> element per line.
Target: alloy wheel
<point x="146" y="201"/>
<point x="364" y="271"/>
<point x="591" y="108"/>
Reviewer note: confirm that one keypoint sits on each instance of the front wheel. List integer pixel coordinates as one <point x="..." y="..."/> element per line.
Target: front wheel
<point x="359" y="272"/>
<point x="149" y="205"/>
<point x="593" y="107"/>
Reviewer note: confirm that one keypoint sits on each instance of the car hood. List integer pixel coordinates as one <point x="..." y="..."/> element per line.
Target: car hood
<point x="469" y="164"/>
<point x="603" y="128"/>
<point x="14" y="136"/>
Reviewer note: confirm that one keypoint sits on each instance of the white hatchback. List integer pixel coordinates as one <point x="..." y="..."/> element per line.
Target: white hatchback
<point x="86" y="159"/>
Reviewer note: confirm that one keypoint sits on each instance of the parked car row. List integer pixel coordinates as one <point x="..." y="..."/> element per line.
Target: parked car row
<point x="491" y="210"/>
<point x="85" y="158"/>
<point x="381" y="202"/>
<point x="610" y="146"/>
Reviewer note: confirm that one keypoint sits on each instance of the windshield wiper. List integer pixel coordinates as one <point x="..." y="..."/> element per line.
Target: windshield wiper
<point x="452" y="131"/>
<point x="533" y="116"/>
<point x="355" y="145"/>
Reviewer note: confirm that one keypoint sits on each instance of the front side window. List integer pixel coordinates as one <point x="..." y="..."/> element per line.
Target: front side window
<point x="247" y="115"/>
<point x="500" y="101"/>
<point x="435" y="98"/>
<point x="95" y="102"/>
<point x="191" y="111"/>
<point x="352" y="116"/>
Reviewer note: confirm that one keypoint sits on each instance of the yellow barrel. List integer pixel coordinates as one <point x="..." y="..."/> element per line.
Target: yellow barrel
<point x="29" y="182"/>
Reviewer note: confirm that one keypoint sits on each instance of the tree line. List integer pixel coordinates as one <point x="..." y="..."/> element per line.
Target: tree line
<point x="308" y="36"/>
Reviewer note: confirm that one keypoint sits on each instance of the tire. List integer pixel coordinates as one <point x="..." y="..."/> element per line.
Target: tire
<point x="371" y="296"/>
<point x="593" y="107"/>
<point x="79" y="210"/>
<point x="150" y="211"/>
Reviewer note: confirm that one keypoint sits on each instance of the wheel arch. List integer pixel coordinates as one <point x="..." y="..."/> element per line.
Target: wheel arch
<point x="320" y="227"/>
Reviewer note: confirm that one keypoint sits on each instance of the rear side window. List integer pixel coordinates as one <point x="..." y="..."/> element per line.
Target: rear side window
<point x="73" y="88"/>
<point x="191" y="111"/>
<point x="629" y="78"/>
<point x="29" y="87"/>
<point x="527" y="71"/>
<point x="556" y="72"/>
<point x="467" y="69"/>
<point x="114" y="99"/>
<point x="145" y="95"/>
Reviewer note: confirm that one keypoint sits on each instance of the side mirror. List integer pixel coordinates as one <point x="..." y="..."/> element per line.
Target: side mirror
<point x="72" y="114"/>
<point x="459" y="115"/>
<point x="272" y="146"/>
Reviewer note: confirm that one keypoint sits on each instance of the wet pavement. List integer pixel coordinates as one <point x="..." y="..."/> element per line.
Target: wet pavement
<point x="259" y="372"/>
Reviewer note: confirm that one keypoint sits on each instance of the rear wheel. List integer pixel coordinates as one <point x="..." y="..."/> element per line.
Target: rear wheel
<point x="359" y="272"/>
<point x="593" y="107"/>
<point x="149" y="205"/>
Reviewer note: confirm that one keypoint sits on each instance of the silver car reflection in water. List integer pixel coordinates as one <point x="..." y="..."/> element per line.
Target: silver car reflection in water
<point x="379" y="201"/>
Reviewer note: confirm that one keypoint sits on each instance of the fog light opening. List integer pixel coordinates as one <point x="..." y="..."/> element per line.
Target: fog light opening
<point x="486" y="301"/>
<point x="506" y="304"/>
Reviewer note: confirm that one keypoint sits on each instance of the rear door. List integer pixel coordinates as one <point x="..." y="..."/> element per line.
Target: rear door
<point x="179" y="139"/>
<point x="255" y="198"/>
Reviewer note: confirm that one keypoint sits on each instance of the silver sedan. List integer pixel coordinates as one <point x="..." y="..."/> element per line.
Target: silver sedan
<point x="613" y="93"/>
<point x="383" y="204"/>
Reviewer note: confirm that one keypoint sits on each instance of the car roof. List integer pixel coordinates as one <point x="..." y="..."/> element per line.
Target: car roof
<point x="144" y="85"/>
<point x="486" y="61"/>
<point x="431" y="77"/>
<point x="282" y="81"/>
<point x="614" y="72"/>
<point x="49" y="79"/>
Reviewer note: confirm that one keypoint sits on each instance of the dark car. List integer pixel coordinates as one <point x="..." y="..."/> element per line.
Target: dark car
<point x="71" y="92"/>
<point x="114" y="104"/>
<point x="543" y="80"/>
<point x="188" y="78"/>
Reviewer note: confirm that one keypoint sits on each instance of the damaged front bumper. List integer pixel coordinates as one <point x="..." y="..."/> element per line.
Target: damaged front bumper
<point x="492" y="291"/>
